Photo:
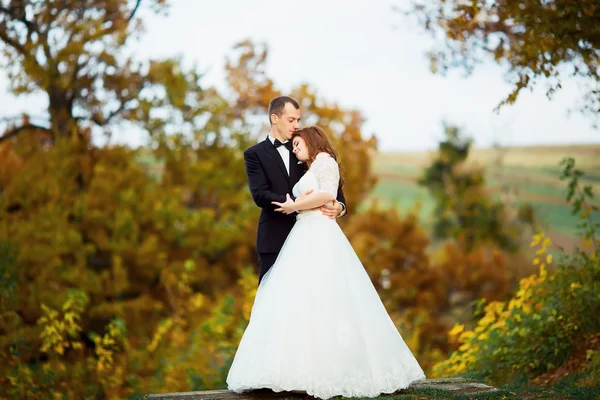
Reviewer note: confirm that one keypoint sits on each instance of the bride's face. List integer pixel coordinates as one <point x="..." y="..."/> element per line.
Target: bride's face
<point x="300" y="149"/>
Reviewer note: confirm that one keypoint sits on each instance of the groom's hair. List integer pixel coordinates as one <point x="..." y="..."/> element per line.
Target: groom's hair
<point x="277" y="105"/>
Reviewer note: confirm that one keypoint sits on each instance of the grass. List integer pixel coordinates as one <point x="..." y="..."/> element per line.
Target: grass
<point x="403" y="196"/>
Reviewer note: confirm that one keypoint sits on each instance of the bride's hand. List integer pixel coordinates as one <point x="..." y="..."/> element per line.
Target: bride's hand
<point x="287" y="207"/>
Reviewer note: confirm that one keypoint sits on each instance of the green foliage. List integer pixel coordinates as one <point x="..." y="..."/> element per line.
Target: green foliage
<point x="538" y="328"/>
<point x="580" y="198"/>
<point x="537" y="40"/>
<point x="8" y="282"/>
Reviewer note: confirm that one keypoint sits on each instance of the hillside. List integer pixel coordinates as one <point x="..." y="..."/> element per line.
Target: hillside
<point x="518" y="174"/>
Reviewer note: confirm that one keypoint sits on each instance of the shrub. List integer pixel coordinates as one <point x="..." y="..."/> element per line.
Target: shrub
<point x="537" y="328"/>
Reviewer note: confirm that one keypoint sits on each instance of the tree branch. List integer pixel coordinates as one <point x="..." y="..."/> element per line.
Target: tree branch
<point x="137" y="5"/>
<point x="14" y="43"/>
<point x="31" y="27"/>
<point x="106" y="120"/>
<point x="76" y="90"/>
<point x="15" y="131"/>
<point x="11" y="42"/>
<point x="114" y="113"/>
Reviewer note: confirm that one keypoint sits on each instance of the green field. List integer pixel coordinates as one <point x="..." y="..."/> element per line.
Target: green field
<point x="531" y="175"/>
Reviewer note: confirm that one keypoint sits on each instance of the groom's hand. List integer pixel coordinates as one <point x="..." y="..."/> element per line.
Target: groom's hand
<point x="332" y="211"/>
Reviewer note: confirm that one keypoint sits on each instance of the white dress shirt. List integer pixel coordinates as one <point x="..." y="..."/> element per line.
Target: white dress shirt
<point x="284" y="153"/>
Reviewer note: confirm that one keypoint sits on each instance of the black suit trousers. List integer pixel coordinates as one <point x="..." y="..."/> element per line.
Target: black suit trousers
<point x="265" y="262"/>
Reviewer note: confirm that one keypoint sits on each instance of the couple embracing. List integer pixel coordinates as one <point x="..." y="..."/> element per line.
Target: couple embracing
<point x="317" y="324"/>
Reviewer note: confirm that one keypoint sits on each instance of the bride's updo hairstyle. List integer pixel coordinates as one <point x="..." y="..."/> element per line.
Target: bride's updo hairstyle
<point x="317" y="142"/>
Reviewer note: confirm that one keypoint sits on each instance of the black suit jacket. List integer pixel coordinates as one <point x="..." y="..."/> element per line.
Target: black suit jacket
<point x="269" y="181"/>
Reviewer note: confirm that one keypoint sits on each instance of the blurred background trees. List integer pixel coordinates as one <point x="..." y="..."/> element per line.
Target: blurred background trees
<point x="127" y="271"/>
<point x="538" y="41"/>
<point x="547" y="332"/>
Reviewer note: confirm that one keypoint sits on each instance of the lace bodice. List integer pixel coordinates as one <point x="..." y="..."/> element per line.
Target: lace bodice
<point x="323" y="175"/>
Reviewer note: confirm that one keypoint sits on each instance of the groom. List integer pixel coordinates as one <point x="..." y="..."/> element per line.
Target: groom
<point x="273" y="170"/>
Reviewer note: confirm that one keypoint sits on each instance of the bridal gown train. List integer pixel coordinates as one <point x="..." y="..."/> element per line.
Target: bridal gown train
<point x="317" y="324"/>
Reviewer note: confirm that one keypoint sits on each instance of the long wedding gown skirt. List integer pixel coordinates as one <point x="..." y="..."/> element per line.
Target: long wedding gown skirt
<point x="318" y="324"/>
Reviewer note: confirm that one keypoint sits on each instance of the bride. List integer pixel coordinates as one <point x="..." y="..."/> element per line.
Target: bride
<point x="317" y="324"/>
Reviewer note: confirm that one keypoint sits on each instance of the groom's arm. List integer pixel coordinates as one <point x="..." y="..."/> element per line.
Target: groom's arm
<point x="258" y="184"/>
<point x="341" y="199"/>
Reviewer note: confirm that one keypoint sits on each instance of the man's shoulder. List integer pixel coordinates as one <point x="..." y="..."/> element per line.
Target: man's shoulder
<point x="253" y="149"/>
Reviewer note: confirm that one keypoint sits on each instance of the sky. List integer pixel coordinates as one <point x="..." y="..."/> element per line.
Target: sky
<point x="360" y="54"/>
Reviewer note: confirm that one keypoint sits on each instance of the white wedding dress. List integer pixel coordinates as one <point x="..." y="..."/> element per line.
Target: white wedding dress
<point x="317" y="324"/>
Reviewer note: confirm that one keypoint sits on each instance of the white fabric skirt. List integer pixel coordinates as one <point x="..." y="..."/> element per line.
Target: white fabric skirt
<point x="318" y="324"/>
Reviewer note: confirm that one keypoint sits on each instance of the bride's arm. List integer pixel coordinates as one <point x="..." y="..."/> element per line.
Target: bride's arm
<point x="313" y="200"/>
<point x="327" y="173"/>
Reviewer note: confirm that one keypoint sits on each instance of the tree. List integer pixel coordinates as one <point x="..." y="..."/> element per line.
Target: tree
<point x="73" y="52"/>
<point x="464" y="207"/>
<point x="536" y="39"/>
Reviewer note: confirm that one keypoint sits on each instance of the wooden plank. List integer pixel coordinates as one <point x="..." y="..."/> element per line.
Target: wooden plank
<point x="453" y="385"/>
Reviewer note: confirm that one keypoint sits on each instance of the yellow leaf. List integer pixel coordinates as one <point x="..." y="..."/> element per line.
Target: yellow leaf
<point x="458" y="328"/>
<point x="549" y="259"/>
<point x="536" y="239"/>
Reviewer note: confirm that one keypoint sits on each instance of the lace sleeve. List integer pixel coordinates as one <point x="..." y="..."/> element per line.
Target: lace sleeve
<point x="327" y="171"/>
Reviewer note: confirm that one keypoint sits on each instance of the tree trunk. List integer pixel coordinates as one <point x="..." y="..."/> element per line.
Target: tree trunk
<point x="62" y="122"/>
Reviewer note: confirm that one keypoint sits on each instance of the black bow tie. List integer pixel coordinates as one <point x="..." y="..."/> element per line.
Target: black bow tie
<point x="288" y="144"/>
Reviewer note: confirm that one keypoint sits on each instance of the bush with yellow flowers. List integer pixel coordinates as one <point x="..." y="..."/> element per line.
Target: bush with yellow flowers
<point x="552" y="311"/>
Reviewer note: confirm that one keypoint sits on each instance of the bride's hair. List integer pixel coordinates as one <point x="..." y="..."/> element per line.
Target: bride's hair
<point x="317" y="142"/>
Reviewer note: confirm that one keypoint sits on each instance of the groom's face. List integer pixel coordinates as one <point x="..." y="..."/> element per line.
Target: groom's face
<point x="289" y="122"/>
